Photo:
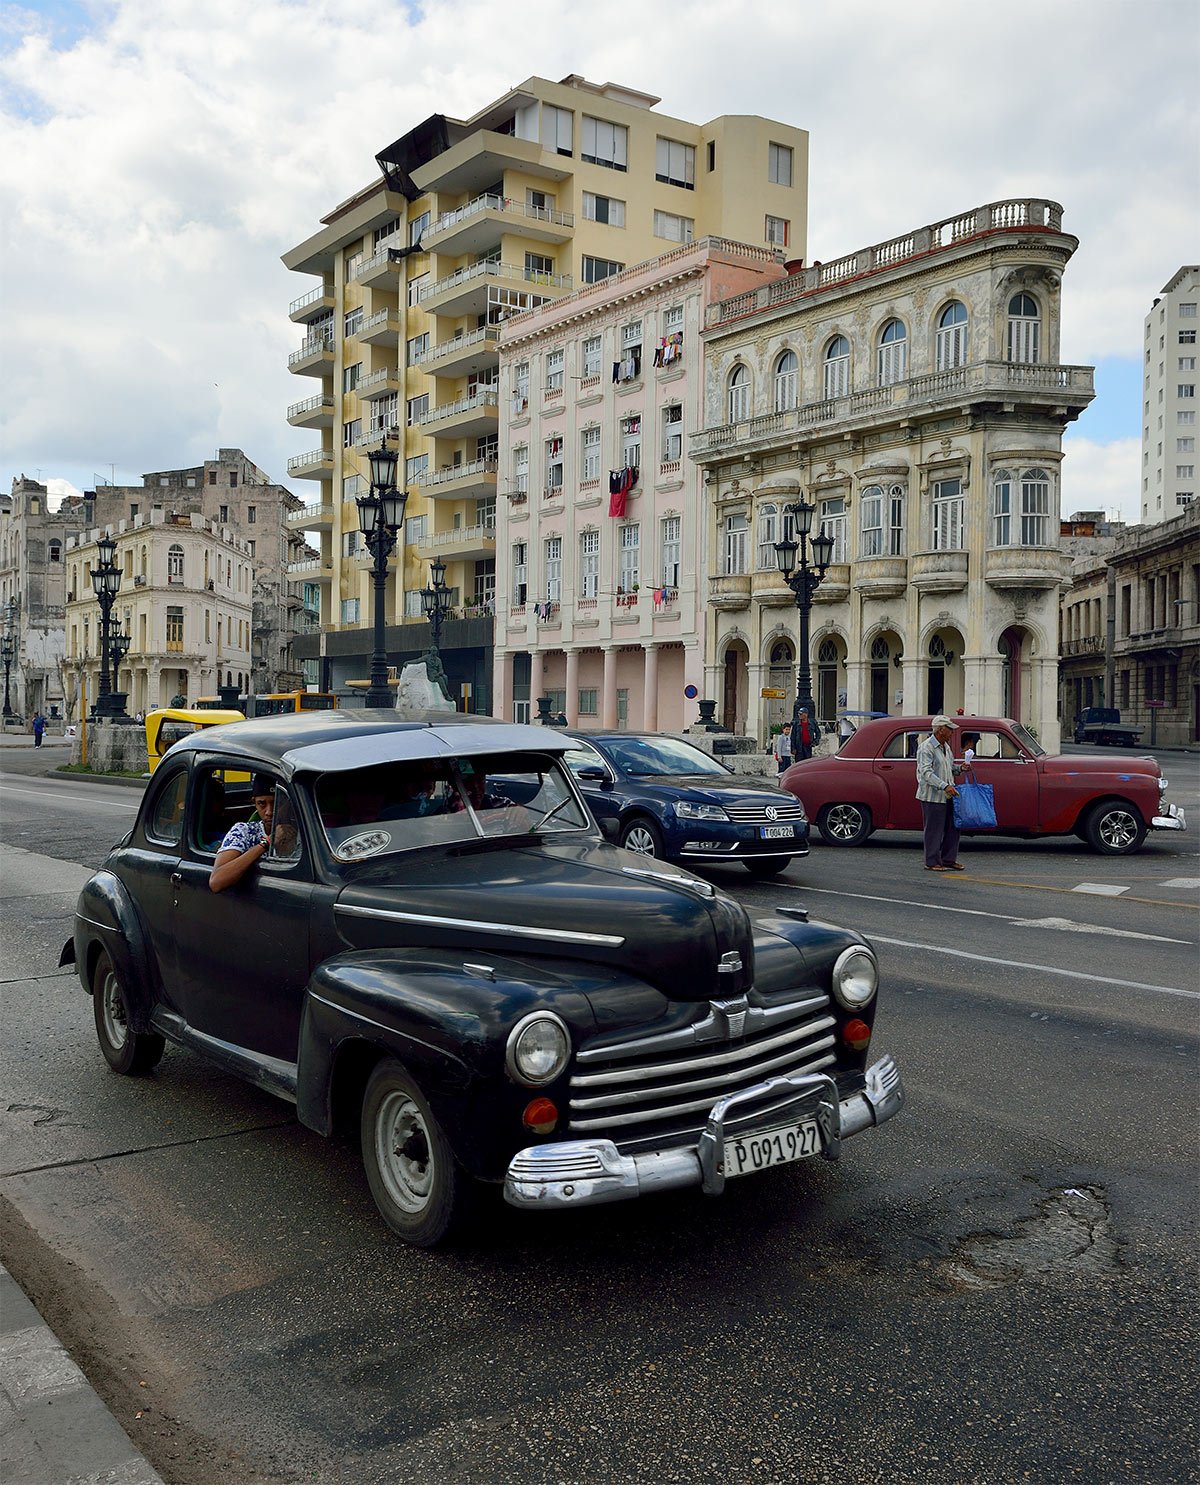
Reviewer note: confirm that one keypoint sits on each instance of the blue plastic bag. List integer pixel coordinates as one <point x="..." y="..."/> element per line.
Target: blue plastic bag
<point x="974" y="807"/>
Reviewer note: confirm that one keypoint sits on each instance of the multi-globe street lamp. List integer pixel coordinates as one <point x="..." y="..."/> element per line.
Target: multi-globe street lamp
<point x="118" y="647"/>
<point x="106" y="581"/>
<point x="380" y="519"/>
<point x="803" y="579"/>
<point x="435" y="605"/>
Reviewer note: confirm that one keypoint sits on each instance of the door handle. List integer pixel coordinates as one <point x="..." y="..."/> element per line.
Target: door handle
<point x="176" y="879"/>
<point x="886" y="767"/>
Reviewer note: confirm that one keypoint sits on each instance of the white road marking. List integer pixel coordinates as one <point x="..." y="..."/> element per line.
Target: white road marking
<point x="1188" y="882"/>
<point x="943" y="907"/>
<point x="61" y="796"/>
<point x="1045" y="969"/>
<point x="1100" y="889"/>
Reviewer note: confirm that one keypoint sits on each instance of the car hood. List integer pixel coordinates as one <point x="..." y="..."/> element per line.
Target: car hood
<point x="1067" y="764"/>
<point x="589" y="901"/>
<point x="709" y="789"/>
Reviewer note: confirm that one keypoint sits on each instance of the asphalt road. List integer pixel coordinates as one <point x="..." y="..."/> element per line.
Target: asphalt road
<point x="998" y="1286"/>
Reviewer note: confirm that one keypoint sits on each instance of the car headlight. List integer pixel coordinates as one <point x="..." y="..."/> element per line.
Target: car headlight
<point x="855" y="977"/>
<point x="538" y="1050"/>
<point x="1162" y="786"/>
<point x="686" y="811"/>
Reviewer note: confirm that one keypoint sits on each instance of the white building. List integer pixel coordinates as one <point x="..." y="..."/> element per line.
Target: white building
<point x="1169" y="403"/>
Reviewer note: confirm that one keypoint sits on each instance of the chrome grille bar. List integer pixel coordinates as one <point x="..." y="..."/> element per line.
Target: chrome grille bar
<point x="758" y="1019"/>
<point x="726" y="1057"/>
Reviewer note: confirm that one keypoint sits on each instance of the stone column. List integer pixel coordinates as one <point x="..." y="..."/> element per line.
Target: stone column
<point x="858" y="673"/>
<point x="650" y="690"/>
<point x="502" y="685"/>
<point x="572" y="684"/>
<point x="914" y="699"/>
<point x="608" y="702"/>
<point x="975" y="685"/>
<point x="537" y="681"/>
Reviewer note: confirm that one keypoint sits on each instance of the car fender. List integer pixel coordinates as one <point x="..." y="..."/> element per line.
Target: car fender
<point x="447" y="1022"/>
<point x="107" y="920"/>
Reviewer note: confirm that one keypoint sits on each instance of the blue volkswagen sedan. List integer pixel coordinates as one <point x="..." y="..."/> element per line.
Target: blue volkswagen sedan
<point x="661" y="796"/>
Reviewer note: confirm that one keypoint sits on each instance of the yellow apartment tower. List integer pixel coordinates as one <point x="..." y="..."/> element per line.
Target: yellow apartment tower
<point x="551" y="187"/>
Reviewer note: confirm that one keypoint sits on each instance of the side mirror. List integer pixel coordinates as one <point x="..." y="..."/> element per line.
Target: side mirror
<point x="593" y="773"/>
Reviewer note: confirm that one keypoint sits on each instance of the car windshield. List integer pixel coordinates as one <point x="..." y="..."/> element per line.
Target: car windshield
<point x="649" y="756"/>
<point x="1028" y="740"/>
<point x="403" y="806"/>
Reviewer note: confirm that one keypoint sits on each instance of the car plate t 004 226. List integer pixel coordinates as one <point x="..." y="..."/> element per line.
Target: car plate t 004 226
<point x="750" y="1152"/>
<point x="776" y="832"/>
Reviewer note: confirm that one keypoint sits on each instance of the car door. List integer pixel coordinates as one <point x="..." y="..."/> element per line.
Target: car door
<point x="1002" y="762"/>
<point x="148" y="865"/>
<point x="243" y="954"/>
<point x="896" y="768"/>
<point x="596" y="779"/>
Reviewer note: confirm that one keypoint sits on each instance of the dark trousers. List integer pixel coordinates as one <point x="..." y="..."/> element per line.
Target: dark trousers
<point x="941" y="833"/>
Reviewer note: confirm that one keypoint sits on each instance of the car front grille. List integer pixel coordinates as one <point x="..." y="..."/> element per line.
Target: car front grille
<point x="659" y="1090"/>
<point x="756" y="814"/>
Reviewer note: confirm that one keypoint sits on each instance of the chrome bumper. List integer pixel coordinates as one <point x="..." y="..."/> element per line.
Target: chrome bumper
<point x="1172" y="818"/>
<point x="575" y="1173"/>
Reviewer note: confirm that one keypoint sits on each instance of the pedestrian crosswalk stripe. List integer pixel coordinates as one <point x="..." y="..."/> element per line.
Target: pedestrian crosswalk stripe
<point x="1100" y="889"/>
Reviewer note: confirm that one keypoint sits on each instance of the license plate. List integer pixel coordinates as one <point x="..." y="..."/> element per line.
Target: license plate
<point x="751" y="1152"/>
<point x="776" y="832"/>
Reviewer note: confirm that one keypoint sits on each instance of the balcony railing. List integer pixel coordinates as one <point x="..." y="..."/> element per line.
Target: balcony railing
<point x="309" y="404"/>
<point x="496" y="270"/>
<point x="312" y="297"/>
<point x="1090" y="644"/>
<point x="486" y="334"/>
<point x="457" y="472"/>
<point x="474" y="401"/>
<point x="507" y="205"/>
<point x="307" y="461"/>
<point x="313" y="346"/>
<point x="459" y="536"/>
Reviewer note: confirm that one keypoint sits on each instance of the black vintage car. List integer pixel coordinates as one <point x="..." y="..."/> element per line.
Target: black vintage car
<point x="438" y="941"/>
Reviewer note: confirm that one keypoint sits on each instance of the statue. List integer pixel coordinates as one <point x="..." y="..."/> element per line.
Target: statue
<point x="419" y="690"/>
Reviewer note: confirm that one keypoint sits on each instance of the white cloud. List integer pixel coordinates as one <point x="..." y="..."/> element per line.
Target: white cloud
<point x="152" y="172"/>
<point x="1102" y="476"/>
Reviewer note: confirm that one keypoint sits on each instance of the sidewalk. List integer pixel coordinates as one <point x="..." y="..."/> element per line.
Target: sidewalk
<point x="54" y="1430"/>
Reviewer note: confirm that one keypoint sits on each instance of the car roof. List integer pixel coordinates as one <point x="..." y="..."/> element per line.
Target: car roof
<point x="343" y="738"/>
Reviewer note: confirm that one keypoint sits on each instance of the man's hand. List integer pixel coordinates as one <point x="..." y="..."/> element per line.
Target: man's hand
<point x="951" y="791"/>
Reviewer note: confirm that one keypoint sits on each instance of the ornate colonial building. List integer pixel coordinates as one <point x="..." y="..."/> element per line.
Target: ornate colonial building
<point x="913" y="391"/>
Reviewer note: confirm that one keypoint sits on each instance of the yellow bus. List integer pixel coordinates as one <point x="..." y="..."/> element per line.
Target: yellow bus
<point x="278" y="702"/>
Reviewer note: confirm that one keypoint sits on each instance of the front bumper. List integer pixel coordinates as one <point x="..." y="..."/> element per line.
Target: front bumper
<point x="1171" y="818"/>
<point x="575" y="1173"/>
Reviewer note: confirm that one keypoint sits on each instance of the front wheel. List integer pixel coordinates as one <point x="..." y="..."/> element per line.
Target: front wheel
<point x="644" y="837"/>
<point x="844" y="824"/>
<point x="769" y="866"/>
<point x="1114" y="828"/>
<point x="421" y="1191"/>
<point x="125" y="1050"/>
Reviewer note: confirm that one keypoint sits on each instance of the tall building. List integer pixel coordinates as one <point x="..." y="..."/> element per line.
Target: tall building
<point x="548" y="188"/>
<point x="1169" y="402"/>
<point x="911" y="392"/>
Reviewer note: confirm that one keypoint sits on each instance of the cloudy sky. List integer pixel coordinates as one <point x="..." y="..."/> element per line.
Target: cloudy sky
<point x="157" y="157"/>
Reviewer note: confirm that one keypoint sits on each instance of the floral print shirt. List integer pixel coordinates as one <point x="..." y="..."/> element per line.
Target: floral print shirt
<point x="242" y="836"/>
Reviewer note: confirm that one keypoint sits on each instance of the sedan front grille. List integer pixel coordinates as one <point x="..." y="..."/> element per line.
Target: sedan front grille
<point x="659" y="1089"/>
<point x="756" y="814"/>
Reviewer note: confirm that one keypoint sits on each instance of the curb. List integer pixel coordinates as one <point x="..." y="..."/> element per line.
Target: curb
<point x="98" y="778"/>
<point x="54" y="1429"/>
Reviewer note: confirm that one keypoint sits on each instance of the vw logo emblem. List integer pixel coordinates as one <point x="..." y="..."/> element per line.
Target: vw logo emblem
<point x="772" y="813"/>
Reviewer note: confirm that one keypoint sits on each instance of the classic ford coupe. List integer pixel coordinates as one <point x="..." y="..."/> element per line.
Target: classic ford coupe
<point x="438" y="943"/>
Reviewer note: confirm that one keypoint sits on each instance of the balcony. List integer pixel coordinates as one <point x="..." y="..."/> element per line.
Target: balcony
<point x="381" y="383"/>
<point x="728" y="594"/>
<point x="480" y="224"/>
<point x="1025" y="567"/>
<point x="461" y="544"/>
<point x="313" y="412"/>
<point x="474" y="481"/>
<point x="317" y="464"/>
<point x="1090" y="644"/>
<point x="881" y="577"/>
<point x="462" y="355"/>
<point x="316" y="517"/>
<point x="314" y="358"/>
<point x="314" y="569"/>
<point x="311" y="306"/>
<point x="938" y="572"/>
<point x="470" y="417"/>
<point x="835" y="585"/>
<point x="466" y="292"/>
<point x="384" y="327"/>
<point x="383" y="270"/>
<point x="480" y="160"/>
<point x="770" y="590"/>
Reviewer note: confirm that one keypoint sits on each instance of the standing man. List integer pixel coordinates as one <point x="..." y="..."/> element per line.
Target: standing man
<point x="39" y="726"/>
<point x="936" y="791"/>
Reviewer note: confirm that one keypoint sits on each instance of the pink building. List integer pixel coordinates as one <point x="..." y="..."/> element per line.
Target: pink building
<point x="600" y="524"/>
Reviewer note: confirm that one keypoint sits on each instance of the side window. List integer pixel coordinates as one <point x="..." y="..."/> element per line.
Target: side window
<point x="579" y="758"/>
<point x="285" y="830"/>
<point x="903" y="745"/>
<point x="165" y="824"/>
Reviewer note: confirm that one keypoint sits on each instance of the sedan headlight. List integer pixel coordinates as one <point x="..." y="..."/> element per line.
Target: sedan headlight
<point x="539" y="1048"/>
<point x="855" y="977"/>
<point x="686" y="811"/>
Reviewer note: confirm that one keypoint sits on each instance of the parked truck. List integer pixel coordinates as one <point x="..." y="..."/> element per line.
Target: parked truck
<point x="1102" y="724"/>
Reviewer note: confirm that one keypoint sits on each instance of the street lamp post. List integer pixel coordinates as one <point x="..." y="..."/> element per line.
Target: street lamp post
<point x="106" y="581"/>
<point x="380" y="518"/>
<point x="435" y="604"/>
<point x="8" y="648"/>
<point x="803" y="579"/>
<point x="118" y="648"/>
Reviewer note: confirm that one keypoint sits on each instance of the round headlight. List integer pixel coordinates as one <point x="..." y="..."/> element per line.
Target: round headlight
<point x="855" y="977"/>
<point x="539" y="1049"/>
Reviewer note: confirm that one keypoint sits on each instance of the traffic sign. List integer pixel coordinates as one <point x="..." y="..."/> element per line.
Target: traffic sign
<point x="772" y="693"/>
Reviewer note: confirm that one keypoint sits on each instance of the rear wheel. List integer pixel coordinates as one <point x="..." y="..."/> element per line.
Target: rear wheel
<point x="643" y="836"/>
<point x="421" y="1191"/>
<point x="125" y="1050"/>
<point x="844" y="824"/>
<point x="769" y="866"/>
<point x="1114" y="828"/>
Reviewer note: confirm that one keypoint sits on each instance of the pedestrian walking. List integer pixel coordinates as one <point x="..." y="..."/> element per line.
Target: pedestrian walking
<point x="936" y="791"/>
<point x="783" y="747"/>
<point x="39" y="726"/>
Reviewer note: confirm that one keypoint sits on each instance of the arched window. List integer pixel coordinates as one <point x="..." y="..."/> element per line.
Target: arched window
<point x="56" y="551"/>
<point x="768" y="527"/>
<point x="951" y="349"/>
<point x="787" y="381"/>
<point x="1021" y="508"/>
<point x="175" y="563"/>
<point x="739" y="394"/>
<point x="837" y="367"/>
<point x="893" y="353"/>
<point x="1024" y="328"/>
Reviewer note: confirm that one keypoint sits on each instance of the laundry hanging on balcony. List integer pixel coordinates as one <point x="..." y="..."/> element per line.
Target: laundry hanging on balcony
<point x="629" y="367"/>
<point x="669" y="349"/>
<point x="620" y="482"/>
